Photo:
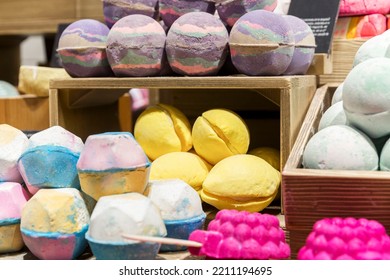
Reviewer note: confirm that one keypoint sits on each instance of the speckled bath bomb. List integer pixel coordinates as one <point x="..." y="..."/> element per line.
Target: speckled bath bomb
<point x="261" y="43"/>
<point x="197" y="44"/>
<point x="82" y="49"/>
<point x="340" y="147"/>
<point x="366" y="97"/>
<point x="378" y="46"/>
<point x="305" y="45"/>
<point x="135" y="47"/>
<point x="231" y="10"/>
<point x="114" y="10"/>
<point x="171" y="10"/>
<point x="333" y="115"/>
<point x="338" y="94"/>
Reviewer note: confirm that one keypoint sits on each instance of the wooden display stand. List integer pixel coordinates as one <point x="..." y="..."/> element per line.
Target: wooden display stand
<point x="292" y="94"/>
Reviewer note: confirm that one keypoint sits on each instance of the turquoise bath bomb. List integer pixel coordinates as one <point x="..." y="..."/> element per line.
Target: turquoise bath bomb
<point x="378" y="46"/>
<point x="333" y="115"/>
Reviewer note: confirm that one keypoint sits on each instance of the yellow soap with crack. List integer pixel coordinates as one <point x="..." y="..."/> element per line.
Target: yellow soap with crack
<point x="162" y="129"/>
<point x="220" y="133"/>
<point x="241" y="182"/>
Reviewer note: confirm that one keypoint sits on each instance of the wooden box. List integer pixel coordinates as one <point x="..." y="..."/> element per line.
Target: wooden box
<point x="309" y="195"/>
<point x="291" y="94"/>
<point x="343" y="54"/>
<point x="25" y="112"/>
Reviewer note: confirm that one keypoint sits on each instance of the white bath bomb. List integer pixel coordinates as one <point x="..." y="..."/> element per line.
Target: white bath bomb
<point x="338" y="94"/>
<point x="384" y="159"/>
<point x="378" y="46"/>
<point x="366" y="97"/>
<point x="175" y="198"/>
<point x="131" y="213"/>
<point x="333" y="115"/>
<point x="13" y="142"/>
<point x="340" y="147"/>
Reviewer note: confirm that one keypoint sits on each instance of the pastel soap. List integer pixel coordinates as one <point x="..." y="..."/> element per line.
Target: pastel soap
<point x="112" y="163"/>
<point x="363" y="7"/>
<point x="50" y="160"/>
<point x="130" y="213"/>
<point x="197" y="44"/>
<point x="82" y="49"/>
<point x="136" y="46"/>
<point x="54" y="223"/>
<point x="12" y="199"/>
<point x="13" y="142"/>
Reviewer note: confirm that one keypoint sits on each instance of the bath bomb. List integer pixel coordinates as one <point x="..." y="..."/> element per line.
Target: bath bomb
<point x="333" y="115"/>
<point x="220" y="133"/>
<point x="50" y="160"/>
<point x="231" y="10"/>
<point x="82" y="49"/>
<point x="112" y="163"/>
<point x="180" y="207"/>
<point x="114" y="10"/>
<point x="378" y="46"/>
<point x="13" y="143"/>
<point x="261" y="43"/>
<point x="241" y="182"/>
<point x="346" y="238"/>
<point x="130" y="213"/>
<point x="340" y="147"/>
<point x="366" y="97"/>
<point x="338" y="94"/>
<point x="241" y="235"/>
<point x="366" y="26"/>
<point x="186" y="166"/>
<point x="136" y="46"/>
<point x="304" y="46"/>
<point x="162" y="129"/>
<point x="197" y="44"/>
<point x="171" y="10"/>
<point x="54" y="223"/>
<point x="269" y="154"/>
<point x="363" y="7"/>
<point x="7" y="89"/>
<point x="12" y="199"/>
<point x="384" y="158"/>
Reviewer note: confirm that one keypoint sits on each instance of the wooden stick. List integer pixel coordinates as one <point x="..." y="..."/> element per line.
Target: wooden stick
<point x="162" y="240"/>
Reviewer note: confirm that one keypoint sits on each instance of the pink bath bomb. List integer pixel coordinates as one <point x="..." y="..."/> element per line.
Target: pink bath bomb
<point x="261" y="43"/>
<point x="12" y="199"/>
<point x="304" y="46"/>
<point x="114" y="10"/>
<point x="364" y="7"/>
<point x="231" y="10"/>
<point x="241" y="235"/>
<point x="82" y="49"/>
<point x="197" y="44"/>
<point x="346" y="239"/>
<point x="136" y="47"/>
<point x="171" y="10"/>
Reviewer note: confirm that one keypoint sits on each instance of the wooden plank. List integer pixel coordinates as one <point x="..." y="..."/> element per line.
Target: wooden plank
<point x="322" y="64"/>
<point x="222" y="82"/>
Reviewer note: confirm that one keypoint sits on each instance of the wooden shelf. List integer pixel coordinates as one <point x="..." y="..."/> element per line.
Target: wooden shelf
<point x="293" y="95"/>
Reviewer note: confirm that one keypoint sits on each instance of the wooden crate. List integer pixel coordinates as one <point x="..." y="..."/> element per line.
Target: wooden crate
<point x="25" y="112"/>
<point x="309" y="195"/>
<point x="291" y="93"/>
<point x="22" y="17"/>
<point x="342" y="56"/>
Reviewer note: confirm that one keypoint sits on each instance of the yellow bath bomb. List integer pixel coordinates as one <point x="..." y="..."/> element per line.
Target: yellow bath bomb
<point x="220" y="133"/>
<point x="186" y="166"/>
<point x="241" y="182"/>
<point x="162" y="129"/>
<point x="270" y="155"/>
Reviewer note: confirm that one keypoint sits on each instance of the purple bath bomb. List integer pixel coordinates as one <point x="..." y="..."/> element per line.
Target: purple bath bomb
<point x="171" y="10"/>
<point x="261" y="43"/>
<point x="305" y="45"/>
<point x="197" y="44"/>
<point x="231" y="10"/>
<point x="136" y="47"/>
<point x="114" y="10"/>
<point x="82" y="49"/>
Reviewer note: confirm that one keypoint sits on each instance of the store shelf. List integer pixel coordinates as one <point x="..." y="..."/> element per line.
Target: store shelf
<point x="291" y="93"/>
